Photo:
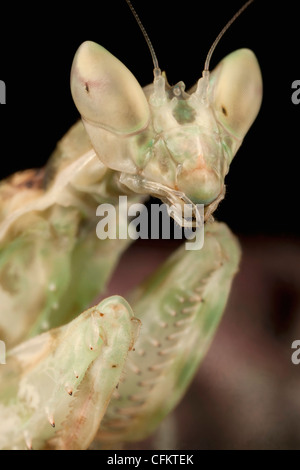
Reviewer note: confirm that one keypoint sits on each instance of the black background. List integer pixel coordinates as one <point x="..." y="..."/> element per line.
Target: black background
<point x="37" y="45"/>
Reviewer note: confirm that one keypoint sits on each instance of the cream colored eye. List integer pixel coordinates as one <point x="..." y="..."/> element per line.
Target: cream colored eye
<point x="237" y="91"/>
<point x="105" y="92"/>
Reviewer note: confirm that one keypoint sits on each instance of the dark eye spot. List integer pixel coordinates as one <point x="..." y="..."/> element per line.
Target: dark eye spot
<point x="87" y="87"/>
<point x="224" y="110"/>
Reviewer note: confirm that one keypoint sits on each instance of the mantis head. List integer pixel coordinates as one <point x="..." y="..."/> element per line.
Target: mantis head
<point x="162" y="140"/>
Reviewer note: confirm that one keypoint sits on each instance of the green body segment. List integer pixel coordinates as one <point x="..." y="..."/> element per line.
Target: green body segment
<point x="180" y="307"/>
<point x="48" y="231"/>
<point x="55" y="388"/>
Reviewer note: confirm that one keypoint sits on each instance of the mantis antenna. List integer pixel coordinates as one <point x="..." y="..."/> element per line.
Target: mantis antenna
<point x="157" y="71"/>
<point x="221" y="34"/>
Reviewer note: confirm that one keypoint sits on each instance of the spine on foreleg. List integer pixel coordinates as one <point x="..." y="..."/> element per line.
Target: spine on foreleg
<point x="180" y="308"/>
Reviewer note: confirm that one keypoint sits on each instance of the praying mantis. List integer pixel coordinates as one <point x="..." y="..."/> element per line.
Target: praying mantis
<point x="110" y="375"/>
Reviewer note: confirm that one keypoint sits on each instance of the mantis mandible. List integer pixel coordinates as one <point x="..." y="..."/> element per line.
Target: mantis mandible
<point x="112" y="373"/>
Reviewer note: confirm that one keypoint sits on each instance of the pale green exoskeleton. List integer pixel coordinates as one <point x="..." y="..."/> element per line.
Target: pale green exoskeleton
<point x="112" y="373"/>
<point x="174" y="145"/>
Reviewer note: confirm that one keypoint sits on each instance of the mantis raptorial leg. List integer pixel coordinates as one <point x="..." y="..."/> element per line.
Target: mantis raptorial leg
<point x="63" y="366"/>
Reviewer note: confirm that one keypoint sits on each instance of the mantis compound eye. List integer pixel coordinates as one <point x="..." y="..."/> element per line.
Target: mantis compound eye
<point x="237" y="92"/>
<point x="105" y="92"/>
